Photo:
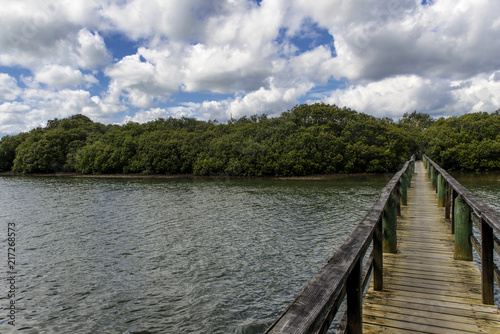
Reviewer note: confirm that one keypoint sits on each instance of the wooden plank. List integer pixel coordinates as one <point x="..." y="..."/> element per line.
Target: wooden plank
<point x="425" y="325"/>
<point x="436" y="293"/>
<point x="424" y="312"/>
<point x="452" y="308"/>
<point x="425" y="318"/>
<point x="431" y="277"/>
<point x="430" y="267"/>
<point x="420" y="283"/>
<point x="452" y="278"/>
<point x="372" y="329"/>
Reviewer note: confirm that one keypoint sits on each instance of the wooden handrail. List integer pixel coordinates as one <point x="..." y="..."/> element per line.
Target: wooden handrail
<point x="314" y="308"/>
<point x="485" y="218"/>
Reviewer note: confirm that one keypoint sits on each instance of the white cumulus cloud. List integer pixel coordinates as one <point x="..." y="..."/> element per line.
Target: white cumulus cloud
<point x="63" y="76"/>
<point x="92" y="50"/>
<point x="8" y="88"/>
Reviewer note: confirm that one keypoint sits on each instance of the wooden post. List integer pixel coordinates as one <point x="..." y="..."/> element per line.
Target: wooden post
<point x="410" y="172"/>
<point x="389" y="225"/>
<point x="378" y="258"/>
<point x="398" y="199"/>
<point x="354" y="301"/>
<point x="441" y="190"/>
<point x="487" y="265"/>
<point x="463" y="230"/>
<point x="454" y="196"/>
<point x="404" y="189"/>
<point x="433" y="176"/>
<point x="447" y="202"/>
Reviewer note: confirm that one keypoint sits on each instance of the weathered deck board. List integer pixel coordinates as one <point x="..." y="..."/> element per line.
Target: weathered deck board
<point x="425" y="289"/>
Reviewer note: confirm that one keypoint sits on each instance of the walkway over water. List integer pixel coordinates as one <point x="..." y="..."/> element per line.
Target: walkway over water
<point x="414" y="248"/>
<point x="425" y="289"/>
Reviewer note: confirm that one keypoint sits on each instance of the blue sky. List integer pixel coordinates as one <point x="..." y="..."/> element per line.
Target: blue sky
<point x="138" y="60"/>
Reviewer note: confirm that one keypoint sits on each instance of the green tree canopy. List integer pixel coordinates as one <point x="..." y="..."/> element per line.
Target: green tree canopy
<point x="308" y="139"/>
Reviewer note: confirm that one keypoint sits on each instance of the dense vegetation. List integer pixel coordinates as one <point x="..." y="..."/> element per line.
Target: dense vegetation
<point x="309" y="139"/>
<point x="469" y="142"/>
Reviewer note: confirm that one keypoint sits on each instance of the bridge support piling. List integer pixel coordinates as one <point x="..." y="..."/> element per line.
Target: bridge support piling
<point x="463" y="230"/>
<point x="441" y="190"/>
<point x="389" y="225"/>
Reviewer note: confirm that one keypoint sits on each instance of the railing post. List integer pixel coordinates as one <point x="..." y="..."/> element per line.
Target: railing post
<point x="404" y="189"/>
<point x="448" y="201"/>
<point x="463" y="230"/>
<point x="441" y="190"/>
<point x="454" y="196"/>
<point x="410" y="172"/>
<point x="433" y="176"/>
<point x="378" y="258"/>
<point x="389" y="225"/>
<point x="354" y="301"/>
<point x="398" y="200"/>
<point x="487" y="264"/>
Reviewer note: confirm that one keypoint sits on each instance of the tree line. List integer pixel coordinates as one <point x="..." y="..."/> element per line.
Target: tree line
<point x="306" y="140"/>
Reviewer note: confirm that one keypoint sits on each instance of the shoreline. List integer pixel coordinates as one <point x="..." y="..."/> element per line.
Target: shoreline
<point x="317" y="177"/>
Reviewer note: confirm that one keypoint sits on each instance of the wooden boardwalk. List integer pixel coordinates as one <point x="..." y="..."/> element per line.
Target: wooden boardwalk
<point x="425" y="289"/>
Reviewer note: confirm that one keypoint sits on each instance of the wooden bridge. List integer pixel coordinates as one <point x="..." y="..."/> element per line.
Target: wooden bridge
<point x="416" y="244"/>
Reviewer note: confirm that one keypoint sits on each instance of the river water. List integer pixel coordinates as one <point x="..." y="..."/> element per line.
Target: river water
<point x="184" y="255"/>
<point x="486" y="186"/>
<point x="181" y="255"/>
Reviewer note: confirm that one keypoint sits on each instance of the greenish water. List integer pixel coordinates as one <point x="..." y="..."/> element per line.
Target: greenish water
<point x="486" y="186"/>
<point x="170" y="255"/>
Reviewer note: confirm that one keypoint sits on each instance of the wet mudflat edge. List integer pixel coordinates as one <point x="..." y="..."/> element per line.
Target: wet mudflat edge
<point x="179" y="176"/>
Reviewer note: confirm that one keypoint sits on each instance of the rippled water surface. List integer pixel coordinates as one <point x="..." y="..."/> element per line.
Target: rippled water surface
<point x="170" y="255"/>
<point x="486" y="186"/>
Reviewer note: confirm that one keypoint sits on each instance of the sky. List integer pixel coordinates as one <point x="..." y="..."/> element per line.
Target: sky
<point x="139" y="60"/>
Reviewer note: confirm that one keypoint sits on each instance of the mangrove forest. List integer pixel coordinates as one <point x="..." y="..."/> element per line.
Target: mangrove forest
<point x="306" y="140"/>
